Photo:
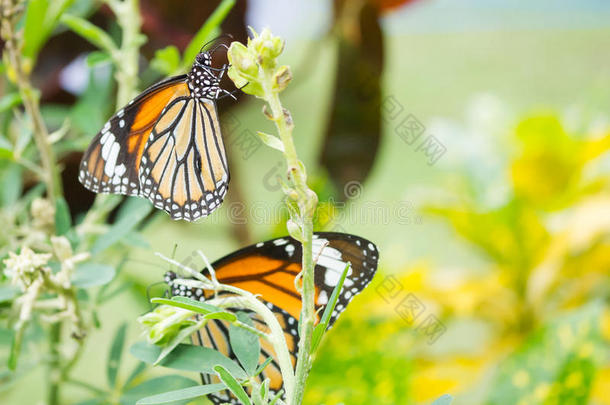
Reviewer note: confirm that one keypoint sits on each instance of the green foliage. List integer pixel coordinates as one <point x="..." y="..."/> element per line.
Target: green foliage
<point x="93" y="274"/>
<point x="133" y="212"/>
<point x="167" y="60"/>
<point x="116" y="352"/>
<point x="183" y="394"/>
<point x="208" y="31"/>
<point x="41" y="18"/>
<point x="90" y="32"/>
<point x="231" y="383"/>
<point x="245" y="344"/>
<point x="79" y="275"/>
<point x="321" y="327"/>
<point x="556" y="365"/>
<point x="187" y="358"/>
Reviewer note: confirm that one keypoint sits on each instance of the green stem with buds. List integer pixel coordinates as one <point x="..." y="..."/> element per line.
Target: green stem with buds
<point x="306" y="201"/>
<point x="254" y="69"/>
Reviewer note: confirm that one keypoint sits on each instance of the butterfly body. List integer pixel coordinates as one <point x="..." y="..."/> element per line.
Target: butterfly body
<point x="165" y="145"/>
<point x="269" y="270"/>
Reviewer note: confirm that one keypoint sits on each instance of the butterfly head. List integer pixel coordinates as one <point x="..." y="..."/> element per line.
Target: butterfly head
<point x="203" y="59"/>
<point x="202" y="79"/>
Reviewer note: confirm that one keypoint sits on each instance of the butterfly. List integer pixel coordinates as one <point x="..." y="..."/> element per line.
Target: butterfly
<point x="165" y="145"/>
<point x="269" y="269"/>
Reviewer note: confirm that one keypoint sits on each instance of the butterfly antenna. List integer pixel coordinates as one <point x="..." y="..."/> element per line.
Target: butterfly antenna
<point x="209" y="267"/>
<point x="195" y="274"/>
<point x="227" y="94"/>
<point x="226" y="35"/>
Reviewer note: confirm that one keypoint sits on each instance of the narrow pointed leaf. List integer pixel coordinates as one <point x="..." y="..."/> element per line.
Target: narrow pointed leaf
<point x="245" y="344"/>
<point x="114" y="358"/>
<point x="232" y="384"/>
<point x="319" y="330"/>
<point x="183" y="394"/>
<point x="187" y="358"/>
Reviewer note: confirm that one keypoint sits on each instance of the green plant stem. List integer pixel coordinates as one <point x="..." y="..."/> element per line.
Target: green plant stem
<point x="307" y="201"/>
<point x="30" y="98"/>
<point x="54" y="376"/>
<point x="128" y="17"/>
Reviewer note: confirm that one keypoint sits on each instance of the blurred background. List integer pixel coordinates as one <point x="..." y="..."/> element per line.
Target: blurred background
<point x="468" y="139"/>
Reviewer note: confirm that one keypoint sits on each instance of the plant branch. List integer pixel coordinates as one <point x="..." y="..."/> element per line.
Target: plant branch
<point x="11" y="11"/>
<point x="126" y="63"/>
<point x="254" y="69"/>
<point x="307" y="201"/>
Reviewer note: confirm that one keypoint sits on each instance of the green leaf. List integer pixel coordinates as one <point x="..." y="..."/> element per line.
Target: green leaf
<point x="90" y="32"/>
<point x="135" y="239"/>
<point x="157" y="386"/>
<point x="271" y="141"/>
<point x="10" y="184"/>
<point x="34" y="31"/>
<point x="6" y="149"/>
<point x="8" y="292"/>
<point x="179" y="338"/>
<point x="232" y="384"/>
<point x="319" y="330"/>
<point x="225" y="316"/>
<point x="183" y="394"/>
<point x="262" y="366"/>
<point x="63" y="221"/>
<point x="15" y="348"/>
<point x="187" y="303"/>
<point x="209" y="30"/>
<point x="245" y="344"/>
<point x="443" y="400"/>
<point x="166" y="60"/>
<point x="264" y="390"/>
<point x="114" y="358"/>
<point x="187" y="358"/>
<point x="123" y="226"/>
<point x="208" y="311"/>
<point x="40" y="20"/>
<point x="97" y="58"/>
<point x="10" y="101"/>
<point x="92" y="108"/>
<point x="139" y="369"/>
<point x="92" y="274"/>
<point x="276" y="397"/>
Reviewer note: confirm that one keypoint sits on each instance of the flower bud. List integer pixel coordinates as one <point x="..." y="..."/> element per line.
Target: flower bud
<point x="61" y="247"/>
<point x="25" y="267"/>
<point x="164" y="323"/>
<point x="242" y="60"/>
<point x="282" y="77"/>
<point x="43" y="213"/>
<point x="294" y="230"/>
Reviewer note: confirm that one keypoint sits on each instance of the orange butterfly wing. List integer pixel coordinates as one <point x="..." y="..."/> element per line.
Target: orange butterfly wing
<point x="184" y="167"/>
<point x="269" y="268"/>
<point x="112" y="161"/>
